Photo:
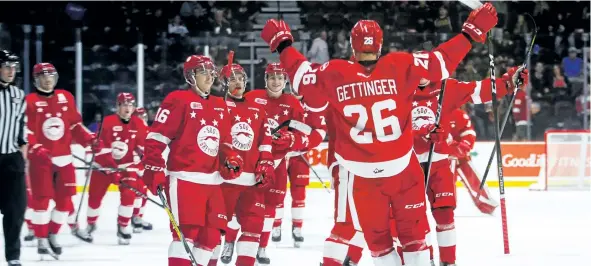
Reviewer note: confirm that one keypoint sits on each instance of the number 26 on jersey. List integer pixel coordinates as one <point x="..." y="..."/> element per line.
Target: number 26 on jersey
<point x="360" y="135"/>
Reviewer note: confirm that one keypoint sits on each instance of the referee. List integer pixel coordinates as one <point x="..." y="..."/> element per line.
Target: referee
<point x="13" y="191"/>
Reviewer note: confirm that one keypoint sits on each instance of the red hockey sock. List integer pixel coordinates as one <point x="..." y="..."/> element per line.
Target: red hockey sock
<point x="247" y="247"/>
<point x="446" y="234"/>
<point x="231" y="235"/>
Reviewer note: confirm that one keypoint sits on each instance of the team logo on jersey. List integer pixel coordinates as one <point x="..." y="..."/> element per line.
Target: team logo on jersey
<point x="422" y="116"/>
<point x="260" y="101"/>
<point x="53" y="128"/>
<point x="242" y="136"/>
<point x="119" y="149"/>
<point x="208" y="140"/>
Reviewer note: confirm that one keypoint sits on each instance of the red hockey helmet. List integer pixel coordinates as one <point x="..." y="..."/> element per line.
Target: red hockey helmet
<point x="125" y="97"/>
<point x="228" y="71"/>
<point x="140" y="111"/>
<point x="44" y="69"/>
<point x="198" y="64"/>
<point x="367" y="37"/>
<point x="275" y="68"/>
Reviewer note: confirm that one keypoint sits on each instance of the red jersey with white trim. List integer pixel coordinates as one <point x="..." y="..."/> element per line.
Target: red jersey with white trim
<point x="249" y="140"/>
<point x="372" y="106"/>
<point x="457" y="93"/>
<point x="285" y="107"/>
<point x="461" y="129"/>
<point x="520" y="108"/>
<point x="54" y="122"/>
<point x="124" y="139"/>
<point x="193" y="128"/>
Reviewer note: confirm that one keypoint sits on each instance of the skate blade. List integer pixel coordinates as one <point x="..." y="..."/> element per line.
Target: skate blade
<point x="50" y="254"/>
<point x="138" y="230"/>
<point x="123" y="242"/>
<point x="297" y="244"/>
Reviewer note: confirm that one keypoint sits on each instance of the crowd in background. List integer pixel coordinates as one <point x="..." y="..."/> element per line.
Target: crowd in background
<point x="171" y="31"/>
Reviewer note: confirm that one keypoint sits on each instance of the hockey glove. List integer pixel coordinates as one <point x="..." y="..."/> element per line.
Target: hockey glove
<point x="480" y="21"/>
<point x="275" y="32"/>
<point x="232" y="166"/>
<point x="287" y="140"/>
<point x="37" y="152"/>
<point x="459" y="149"/>
<point x="516" y="77"/>
<point x="433" y="134"/>
<point x="154" y="177"/>
<point x="264" y="174"/>
<point x="115" y="178"/>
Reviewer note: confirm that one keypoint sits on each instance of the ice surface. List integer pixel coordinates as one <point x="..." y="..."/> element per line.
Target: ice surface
<point x="545" y="228"/>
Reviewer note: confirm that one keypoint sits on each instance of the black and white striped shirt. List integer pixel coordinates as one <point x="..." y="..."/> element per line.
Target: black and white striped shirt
<point x="12" y="119"/>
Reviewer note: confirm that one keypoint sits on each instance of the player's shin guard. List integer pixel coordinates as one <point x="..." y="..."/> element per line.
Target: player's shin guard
<point x="41" y="216"/>
<point x="126" y="207"/>
<point x="278" y="215"/>
<point x="267" y="226"/>
<point x="343" y="242"/>
<point x="298" y="203"/>
<point x="446" y="234"/>
<point x="207" y="241"/>
<point x="215" y="255"/>
<point x="177" y="255"/>
<point x="232" y="230"/>
<point x="59" y="216"/>
<point x="246" y="249"/>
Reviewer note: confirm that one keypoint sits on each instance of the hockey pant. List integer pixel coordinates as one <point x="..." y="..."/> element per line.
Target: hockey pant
<point x="465" y="171"/>
<point x="298" y="173"/>
<point x="99" y="184"/>
<point x="139" y="205"/>
<point x="441" y="193"/>
<point x="245" y="205"/>
<point x="55" y="182"/>
<point x="371" y="204"/>
<point x="201" y="218"/>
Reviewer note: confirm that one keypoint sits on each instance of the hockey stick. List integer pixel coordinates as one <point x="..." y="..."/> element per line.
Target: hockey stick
<point x="89" y="172"/>
<point x="104" y="169"/>
<point x="315" y="173"/>
<point x="175" y="225"/>
<point x="427" y="169"/>
<point x="495" y="103"/>
<point x="508" y="111"/>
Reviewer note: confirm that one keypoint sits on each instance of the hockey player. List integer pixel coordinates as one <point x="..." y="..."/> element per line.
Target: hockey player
<point x="197" y="129"/>
<point x="244" y="196"/>
<point x="371" y="103"/>
<point x="139" y="206"/>
<point x="441" y="187"/>
<point x="464" y="137"/>
<point x="29" y="215"/>
<point x="53" y="124"/>
<point x="125" y="134"/>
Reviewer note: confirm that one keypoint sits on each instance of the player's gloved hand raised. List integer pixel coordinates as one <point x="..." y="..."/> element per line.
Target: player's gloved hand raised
<point x="480" y="21"/>
<point x="37" y="151"/>
<point x="153" y="177"/>
<point x="275" y="32"/>
<point x="459" y="149"/>
<point x="264" y="173"/>
<point x="516" y="77"/>
<point x="232" y="166"/>
<point x="433" y="134"/>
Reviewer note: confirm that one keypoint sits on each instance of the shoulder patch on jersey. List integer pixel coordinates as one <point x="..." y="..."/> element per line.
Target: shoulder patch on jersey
<point x="196" y="105"/>
<point x="61" y="98"/>
<point x="260" y="101"/>
<point x="41" y="103"/>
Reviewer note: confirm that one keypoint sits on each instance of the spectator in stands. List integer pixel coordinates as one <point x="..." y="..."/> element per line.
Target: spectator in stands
<point x="443" y="22"/>
<point x="540" y="82"/>
<point x="222" y="32"/>
<point x="94" y="126"/>
<point x="318" y="53"/>
<point x="5" y="41"/>
<point x="342" y="47"/>
<point x="560" y="88"/>
<point x="572" y="65"/>
<point x="176" y="27"/>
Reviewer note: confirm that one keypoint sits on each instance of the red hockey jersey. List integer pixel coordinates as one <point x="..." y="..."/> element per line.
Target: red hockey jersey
<point x="313" y="128"/>
<point x="457" y="93"/>
<point x="249" y="140"/>
<point x="54" y="122"/>
<point x="461" y="129"/>
<point x="193" y="128"/>
<point x="124" y="139"/>
<point x="372" y="107"/>
<point x="278" y="110"/>
<point x="520" y="109"/>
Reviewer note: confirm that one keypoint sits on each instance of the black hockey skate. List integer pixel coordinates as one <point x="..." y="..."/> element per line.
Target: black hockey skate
<point x="262" y="257"/>
<point x="43" y="248"/>
<point x="147" y="226"/>
<point x="54" y="245"/>
<point x="29" y="237"/>
<point x="14" y="263"/>
<point x="123" y="235"/>
<point x="276" y="234"/>
<point x="136" y="223"/>
<point x="84" y="235"/>
<point x="227" y="253"/>
<point x="296" y="234"/>
<point x="348" y="262"/>
<point x="447" y="264"/>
